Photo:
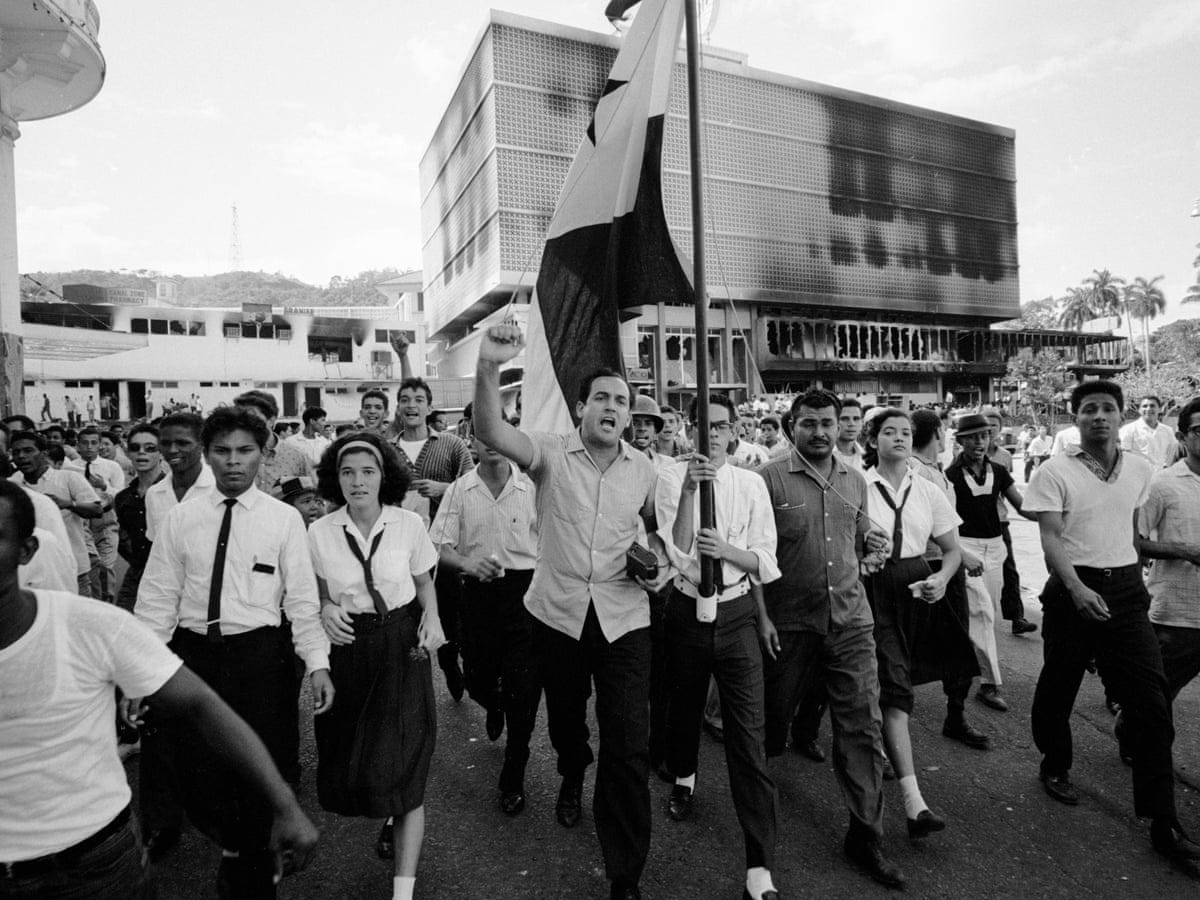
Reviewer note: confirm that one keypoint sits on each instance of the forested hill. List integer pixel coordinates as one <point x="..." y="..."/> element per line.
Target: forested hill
<point x="227" y="289"/>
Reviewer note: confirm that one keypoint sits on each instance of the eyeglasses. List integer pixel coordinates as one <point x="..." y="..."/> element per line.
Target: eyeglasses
<point x="143" y="448"/>
<point x="721" y="426"/>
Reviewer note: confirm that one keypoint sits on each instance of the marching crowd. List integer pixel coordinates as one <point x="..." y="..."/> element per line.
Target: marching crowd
<point x="857" y="554"/>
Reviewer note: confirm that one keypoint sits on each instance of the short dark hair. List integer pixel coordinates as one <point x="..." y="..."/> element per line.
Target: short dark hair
<point x="926" y="424"/>
<point x="112" y="436"/>
<point x="25" y="422"/>
<point x="49" y="429"/>
<point x="190" y="421"/>
<point x="468" y="410"/>
<point x="56" y="454"/>
<point x="721" y="400"/>
<point x="260" y="400"/>
<point x="22" y="508"/>
<point x="1189" y="409"/>
<point x="374" y="394"/>
<point x="585" y="384"/>
<point x="27" y="435"/>
<point x="1142" y="399"/>
<point x="770" y="420"/>
<point x="313" y="414"/>
<point x="850" y="401"/>
<point x="1098" y="386"/>
<point x="416" y="384"/>
<point x="227" y="419"/>
<point x="816" y="398"/>
<point x="142" y="428"/>
<point x="89" y="431"/>
<point x="434" y="415"/>
<point x="392" y="486"/>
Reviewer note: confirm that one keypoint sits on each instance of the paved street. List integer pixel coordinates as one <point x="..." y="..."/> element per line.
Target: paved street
<point x="1005" y="837"/>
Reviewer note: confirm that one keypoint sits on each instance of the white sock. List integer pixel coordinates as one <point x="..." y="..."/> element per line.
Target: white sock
<point x="913" y="801"/>
<point x="689" y="782"/>
<point x="758" y="882"/>
<point x="402" y="887"/>
<point x="229" y="854"/>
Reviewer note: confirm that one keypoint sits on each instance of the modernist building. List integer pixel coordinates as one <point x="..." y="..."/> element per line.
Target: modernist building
<point x="134" y="348"/>
<point x="855" y="243"/>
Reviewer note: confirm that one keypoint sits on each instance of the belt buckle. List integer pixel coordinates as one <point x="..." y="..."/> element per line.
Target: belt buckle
<point x="1108" y="573"/>
<point x="8" y="871"/>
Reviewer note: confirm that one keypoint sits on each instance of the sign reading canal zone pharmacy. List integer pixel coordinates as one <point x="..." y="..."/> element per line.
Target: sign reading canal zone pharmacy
<point x="94" y="294"/>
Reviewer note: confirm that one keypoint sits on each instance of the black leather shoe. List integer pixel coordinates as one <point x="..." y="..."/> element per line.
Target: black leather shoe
<point x="959" y="730"/>
<point x="569" y="807"/>
<point x="925" y="824"/>
<point x="1124" y="750"/>
<point x="161" y="842"/>
<point x="1113" y="707"/>
<point x="1172" y="842"/>
<point x="679" y="806"/>
<point x="716" y="732"/>
<point x="495" y="723"/>
<point x="454" y="679"/>
<point x="989" y="695"/>
<point x="889" y="774"/>
<point x="868" y="856"/>
<point x="512" y="802"/>
<point x="623" y="891"/>
<point x="810" y="750"/>
<point x="384" y="847"/>
<point x="664" y="774"/>
<point x="1060" y="788"/>
<point x="229" y="878"/>
<point x="1023" y="626"/>
<point x="766" y="895"/>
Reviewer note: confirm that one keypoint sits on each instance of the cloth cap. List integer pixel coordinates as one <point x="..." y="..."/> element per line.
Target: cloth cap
<point x="294" y="487"/>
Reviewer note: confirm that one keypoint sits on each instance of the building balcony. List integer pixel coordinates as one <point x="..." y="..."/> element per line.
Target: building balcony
<point x="50" y="59"/>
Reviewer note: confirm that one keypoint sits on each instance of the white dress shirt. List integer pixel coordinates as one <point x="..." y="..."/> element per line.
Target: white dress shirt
<point x="47" y="515"/>
<point x="750" y="455"/>
<point x="743" y="516"/>
<point x="403" y="550"/>
<point x="927" y="512"/>
<point x="1154" y="443"/>
<point x="475" y="523"/>
<point x="107" y="469"/>
<point x="266" y="565"/>
<point x="312" y="447"/>
<point x="160" y="498"/>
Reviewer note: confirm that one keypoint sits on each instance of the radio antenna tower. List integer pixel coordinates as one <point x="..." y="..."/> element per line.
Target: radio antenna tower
<point x="235" y="244"/>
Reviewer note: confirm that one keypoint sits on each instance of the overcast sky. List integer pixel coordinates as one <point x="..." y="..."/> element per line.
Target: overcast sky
<point x="311" y="116"/>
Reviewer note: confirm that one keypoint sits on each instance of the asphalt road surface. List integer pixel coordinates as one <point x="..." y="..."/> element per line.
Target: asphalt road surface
<point x="1005" y="837"/>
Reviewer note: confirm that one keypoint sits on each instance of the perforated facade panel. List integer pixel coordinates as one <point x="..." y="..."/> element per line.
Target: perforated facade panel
<point x="813" y="196"/>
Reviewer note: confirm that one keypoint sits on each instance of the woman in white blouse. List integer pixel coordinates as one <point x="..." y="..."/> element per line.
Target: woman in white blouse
<point x="374" y="565"/>
<point x="906" y="593"/>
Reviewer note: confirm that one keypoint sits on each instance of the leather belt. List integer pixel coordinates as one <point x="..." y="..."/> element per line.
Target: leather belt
<point x="31" y="868"/>
<point x="739" y="589"/>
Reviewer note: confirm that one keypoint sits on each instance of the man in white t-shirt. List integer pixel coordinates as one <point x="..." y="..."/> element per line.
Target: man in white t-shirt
<point x="312" y="441"/>
<point x="1095" y="603"/>
<point x="1147" y="435"/>
<point x="65" y="828"/>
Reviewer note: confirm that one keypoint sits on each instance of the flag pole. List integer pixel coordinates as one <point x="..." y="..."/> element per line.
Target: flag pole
<point x="707" y="509"/>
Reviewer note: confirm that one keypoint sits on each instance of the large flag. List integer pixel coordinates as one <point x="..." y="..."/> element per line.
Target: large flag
<point x="607" y="248"/>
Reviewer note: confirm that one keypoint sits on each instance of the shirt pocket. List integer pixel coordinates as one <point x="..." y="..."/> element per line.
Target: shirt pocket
<point x="791" y="521"/>
<point x="263" y="583"/>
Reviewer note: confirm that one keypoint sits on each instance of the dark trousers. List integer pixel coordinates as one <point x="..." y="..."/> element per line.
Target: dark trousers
<point x="449" y="588"/>
<point x="845" y="659"/>
<point x="1127" y="652"/>
<point x="659" y="696"/>
<point x="620" y="671"/>
<point x="1180" y="649"/>
<point x="806" y="724"/>
<point x="247" y="672"/>
<point x="498" y="662"/>
<point x="293" y="669"/>
<point x="727" y="650"/>
<point x="159" y="794"/>
<point x="115" y="869"/>
<point x="1011" y="606"/>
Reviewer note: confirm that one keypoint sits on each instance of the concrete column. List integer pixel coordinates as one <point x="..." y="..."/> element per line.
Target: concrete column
<point x="12" y="362"/>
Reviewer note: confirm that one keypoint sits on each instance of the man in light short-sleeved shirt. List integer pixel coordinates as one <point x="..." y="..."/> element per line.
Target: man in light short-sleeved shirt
<point x="1147" y="435"/>
<point x="594" y="493"/>
<point x="1170" y="528"/>
<point x="1095" y="603"/>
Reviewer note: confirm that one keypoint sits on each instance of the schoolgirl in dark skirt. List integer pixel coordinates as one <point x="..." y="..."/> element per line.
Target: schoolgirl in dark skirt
<point x="374" y="563"/>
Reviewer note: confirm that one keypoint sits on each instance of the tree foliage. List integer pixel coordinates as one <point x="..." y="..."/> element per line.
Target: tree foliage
<point x="1174" y="382"/>
<point x="1043" y="377"/>
<point x="226" y="289"/>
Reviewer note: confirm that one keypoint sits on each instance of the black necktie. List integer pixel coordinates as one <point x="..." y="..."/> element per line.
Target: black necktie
<point x="898" y="527"/>
<point x="376" y="597"/>
<point x="218" y="572"/>
<point x="87" y="472"/>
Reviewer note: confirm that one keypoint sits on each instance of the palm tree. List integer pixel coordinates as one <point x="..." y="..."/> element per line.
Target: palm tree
<point x="1076" y="309"/>
<point x="1106" y="296"/>
<point x="1144" y="300"/>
